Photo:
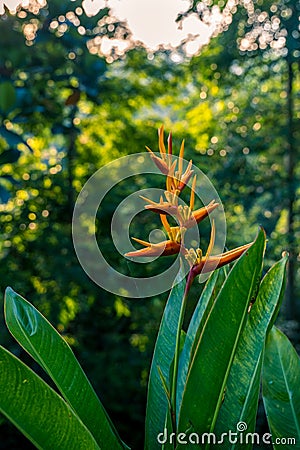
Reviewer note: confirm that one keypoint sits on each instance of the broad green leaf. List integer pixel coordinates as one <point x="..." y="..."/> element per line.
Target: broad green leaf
<point x="7" y="96"/>
<point x="243" y="385"/>
<point x="284" y="262"/>
<point x="199" y="317"/>
<point x="37" y="410"/>
<point x="281" y="389"/>
<point x="162" y="438"/>
<point x="37" y="336"/>
<point x="157" y="404"/>
<point x="212" y="360"/>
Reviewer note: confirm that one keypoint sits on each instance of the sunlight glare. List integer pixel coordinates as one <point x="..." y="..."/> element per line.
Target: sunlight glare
<point x="92" y="7"/>
<point x="151" y="22"/>
<point x="10" y="4"/>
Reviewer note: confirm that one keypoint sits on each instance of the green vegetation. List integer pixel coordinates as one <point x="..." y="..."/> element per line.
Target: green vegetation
<point x="65" y="112"/>
<point x="201" y="388"/>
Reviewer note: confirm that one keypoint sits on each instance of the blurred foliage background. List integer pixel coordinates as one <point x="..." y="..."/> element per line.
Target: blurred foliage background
<point x="65" y="111"/>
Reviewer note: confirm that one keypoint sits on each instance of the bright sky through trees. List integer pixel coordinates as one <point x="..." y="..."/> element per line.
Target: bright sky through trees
<point x="152" y="22"/>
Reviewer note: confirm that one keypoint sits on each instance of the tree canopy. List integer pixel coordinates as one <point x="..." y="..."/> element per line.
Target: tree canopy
<point x="65" y="111"/>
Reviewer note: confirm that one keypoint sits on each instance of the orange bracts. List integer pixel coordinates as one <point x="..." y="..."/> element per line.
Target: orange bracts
<point x="165" y="248"/>
<point x="169" y="207"/>
<point x="201" y="214"/>
<point x="183" y="214"/>
<point x="176" y="179"/>
<point x="186" y="218"/>
<point x="164" y="163"/>
<point x="210" y="263"/>
<point x="204" y="264"/>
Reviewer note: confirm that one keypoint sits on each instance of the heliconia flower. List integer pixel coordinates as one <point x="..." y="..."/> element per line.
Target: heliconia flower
<point x="195" y="257"/>
<point x="169" y="207"/>
<point x="187" y="217"/>
<point x="164" y="163"/>
<point x="204" y="264"/>
<point x="159" y="162"/>
<point x="176" y="179"/>
<point x="184" y="214"/>
<point x="201" y="214"/>
<point x="176" y="234"/>
<point x="165" y="248"/>
<point x="186" y="177"/>
<point x="215" y="262"/>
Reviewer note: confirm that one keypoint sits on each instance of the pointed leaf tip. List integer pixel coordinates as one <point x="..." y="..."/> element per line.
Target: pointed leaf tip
<point x="261" y="236"/>
<point x="18" y="310"/>
<point x="261" y="230"/>
<point x="9" y="291"/>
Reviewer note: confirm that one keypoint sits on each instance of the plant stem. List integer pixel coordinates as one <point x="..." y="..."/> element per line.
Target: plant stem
<point x="292" y="310"/>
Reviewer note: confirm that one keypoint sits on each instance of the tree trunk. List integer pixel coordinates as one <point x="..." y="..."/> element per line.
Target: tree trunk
<point x="292" y="306"/>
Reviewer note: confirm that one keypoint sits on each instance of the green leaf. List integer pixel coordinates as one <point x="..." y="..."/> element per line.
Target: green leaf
<point x="37" y="336"/>
<point x="198" y="319"/>
<point x="281" y="393"/>
<point x="209" y="369"/>
<point x="161" y="438"/>
<point x="7" y="96"/>
<point x="157" y="404"/>
<point x="276" y="281"/>
<point x="243" y="385"/>
<point x="37" y="410"/>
